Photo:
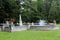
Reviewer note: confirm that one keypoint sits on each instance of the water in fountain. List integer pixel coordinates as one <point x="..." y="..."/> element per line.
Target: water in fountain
<point x="32" y="23"/>
<point x="42" y="23"/>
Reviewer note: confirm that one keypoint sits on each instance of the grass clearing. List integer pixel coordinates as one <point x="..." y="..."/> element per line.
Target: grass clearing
<point x="31" y="35"/>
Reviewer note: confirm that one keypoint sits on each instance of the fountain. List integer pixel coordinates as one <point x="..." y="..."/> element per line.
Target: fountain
<point x="42" y="25"/>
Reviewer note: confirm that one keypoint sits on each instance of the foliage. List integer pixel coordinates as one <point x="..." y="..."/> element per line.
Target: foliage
<point x="31" y="11"/>
<point x="49" y="9"/>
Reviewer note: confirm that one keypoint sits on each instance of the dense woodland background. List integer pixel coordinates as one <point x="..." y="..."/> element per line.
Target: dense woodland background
<point x="30" y="10"/>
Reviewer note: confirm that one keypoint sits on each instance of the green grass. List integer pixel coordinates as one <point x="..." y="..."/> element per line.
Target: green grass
<point x="31" y="35"/>
<point x="58" y="25"/>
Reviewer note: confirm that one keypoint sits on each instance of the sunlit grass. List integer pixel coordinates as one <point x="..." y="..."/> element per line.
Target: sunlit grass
<point x="31" y="35"/>
<point x="58" y="25"/>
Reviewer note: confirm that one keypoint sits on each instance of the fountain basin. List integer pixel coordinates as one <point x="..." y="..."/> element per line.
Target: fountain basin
<point x="46" y="27"/>
<point x="15" y="28"/>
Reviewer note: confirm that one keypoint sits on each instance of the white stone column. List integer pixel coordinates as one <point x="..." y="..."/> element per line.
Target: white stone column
<point x="20" y="21"/>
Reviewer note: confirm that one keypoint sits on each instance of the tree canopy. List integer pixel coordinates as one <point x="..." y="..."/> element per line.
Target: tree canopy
<point x="31" y="10"/>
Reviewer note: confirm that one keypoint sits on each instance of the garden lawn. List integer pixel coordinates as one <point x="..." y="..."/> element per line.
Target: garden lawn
<point x="31" y="35"/>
